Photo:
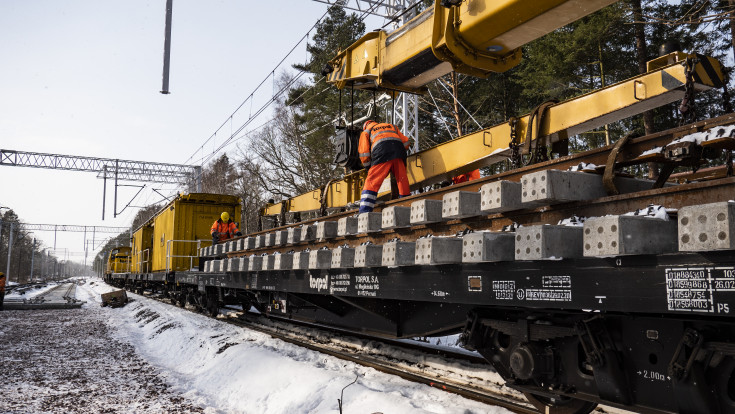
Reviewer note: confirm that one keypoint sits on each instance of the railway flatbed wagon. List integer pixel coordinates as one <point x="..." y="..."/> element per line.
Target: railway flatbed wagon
<point x="645" y="331"/>
<point x="627" y="302"/>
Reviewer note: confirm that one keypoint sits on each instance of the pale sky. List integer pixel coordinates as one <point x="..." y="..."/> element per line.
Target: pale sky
<point x="82" y="77"/>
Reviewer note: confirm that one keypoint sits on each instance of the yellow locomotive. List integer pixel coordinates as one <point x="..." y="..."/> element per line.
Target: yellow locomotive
<point x="118" y="261"/>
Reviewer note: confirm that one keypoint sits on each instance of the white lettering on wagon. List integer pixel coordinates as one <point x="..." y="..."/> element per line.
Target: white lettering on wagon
<point x="318" y="283"/>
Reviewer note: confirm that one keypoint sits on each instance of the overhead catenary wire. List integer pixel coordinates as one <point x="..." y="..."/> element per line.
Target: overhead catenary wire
<point x="460" y="104"/>
<point x="442" y="119"/>
<point x="257" y="113"/>
<point x="252" y="94"/>
<point x="250" y="97"/>
<point x="237" y="138"/>
<point x="234" y="134"/>
<point x="204" y="159"/>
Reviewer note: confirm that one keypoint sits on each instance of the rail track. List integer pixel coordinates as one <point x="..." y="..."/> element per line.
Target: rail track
<point x="69" y="294"/>
<point x="455" y="371"/>
<point x="409" y="361"/>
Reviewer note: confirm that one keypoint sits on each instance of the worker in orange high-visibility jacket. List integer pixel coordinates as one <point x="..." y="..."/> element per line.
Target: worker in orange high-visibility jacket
<point x="224" y="229"/>
<point x="472" y="175"/>
<point x="382" y="149"/>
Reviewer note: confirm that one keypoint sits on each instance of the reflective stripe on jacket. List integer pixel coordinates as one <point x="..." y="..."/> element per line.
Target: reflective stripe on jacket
<point x="381" y="143"/>
<point x="225" y="230"/>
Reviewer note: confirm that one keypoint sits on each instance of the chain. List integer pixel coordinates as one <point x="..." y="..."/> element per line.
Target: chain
<point x="726" y="105"/>
<point x="515" y="148"/>
<point x="542" y="152"/>
<point x="687" y="108"/>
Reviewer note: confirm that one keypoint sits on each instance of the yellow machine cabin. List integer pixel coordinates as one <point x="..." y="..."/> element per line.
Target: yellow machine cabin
<point x="181" y="228"/>
<point x="142" y="242"/>
<point x="118" y="260"/>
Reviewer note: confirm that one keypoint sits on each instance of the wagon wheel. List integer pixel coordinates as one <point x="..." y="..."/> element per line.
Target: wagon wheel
<point x="560" y="404"/>
<point x="212" y="308"/>
<point x="172" y="296"/>
<point x="202" y="302"/>
<point x="190" y="299"/>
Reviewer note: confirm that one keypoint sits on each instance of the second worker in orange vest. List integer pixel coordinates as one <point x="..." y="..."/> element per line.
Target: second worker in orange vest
<point x="382" y="149"/>
<point x="472" y="175"/>
<point x="223" y="229"/>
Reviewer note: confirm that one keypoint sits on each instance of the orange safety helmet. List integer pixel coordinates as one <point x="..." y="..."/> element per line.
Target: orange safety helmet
<point x="367" y="124"/>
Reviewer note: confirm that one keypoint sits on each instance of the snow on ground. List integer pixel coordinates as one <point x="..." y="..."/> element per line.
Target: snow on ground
<point x="35" y="291"/>
<point x="234" y="370"/>
<point x="66" y="361"/>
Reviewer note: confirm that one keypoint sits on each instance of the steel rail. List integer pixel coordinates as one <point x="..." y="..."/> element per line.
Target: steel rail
<point x="485" y="396"/>
<point x="399" y="343"/>
<point x="474" y="393"/>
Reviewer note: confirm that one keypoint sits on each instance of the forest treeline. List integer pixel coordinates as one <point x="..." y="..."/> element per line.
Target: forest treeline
<point x="29" y="258"/>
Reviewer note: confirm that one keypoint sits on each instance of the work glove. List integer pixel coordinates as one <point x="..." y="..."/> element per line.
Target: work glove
<point x="238" y="234"/>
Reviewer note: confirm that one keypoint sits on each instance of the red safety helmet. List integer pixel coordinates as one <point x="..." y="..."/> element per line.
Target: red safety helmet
<point x="367" y="124"/>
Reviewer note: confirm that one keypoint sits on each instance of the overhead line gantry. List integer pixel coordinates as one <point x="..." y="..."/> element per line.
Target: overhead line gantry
<point x="125" y="170"/>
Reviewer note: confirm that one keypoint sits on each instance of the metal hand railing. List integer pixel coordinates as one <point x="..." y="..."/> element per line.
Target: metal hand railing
<point x="142" y="260"/>
<point x="170" y="248"/>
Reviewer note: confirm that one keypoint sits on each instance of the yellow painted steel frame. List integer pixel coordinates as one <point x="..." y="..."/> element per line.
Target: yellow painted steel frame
<point x="562" y="120"/>
<point x="475" y="38"/>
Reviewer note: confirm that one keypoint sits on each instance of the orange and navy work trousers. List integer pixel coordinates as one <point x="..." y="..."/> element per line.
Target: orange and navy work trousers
<point x="376" y="175"/>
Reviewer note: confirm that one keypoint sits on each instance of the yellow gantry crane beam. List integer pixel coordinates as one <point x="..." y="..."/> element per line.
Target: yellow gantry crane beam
<point x="472" y="37"/>
<point x="663" y="84"/>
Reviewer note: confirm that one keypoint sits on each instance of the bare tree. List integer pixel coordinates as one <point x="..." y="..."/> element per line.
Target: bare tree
<point x="250" y="191"/>
<point x="284" y="158"/>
